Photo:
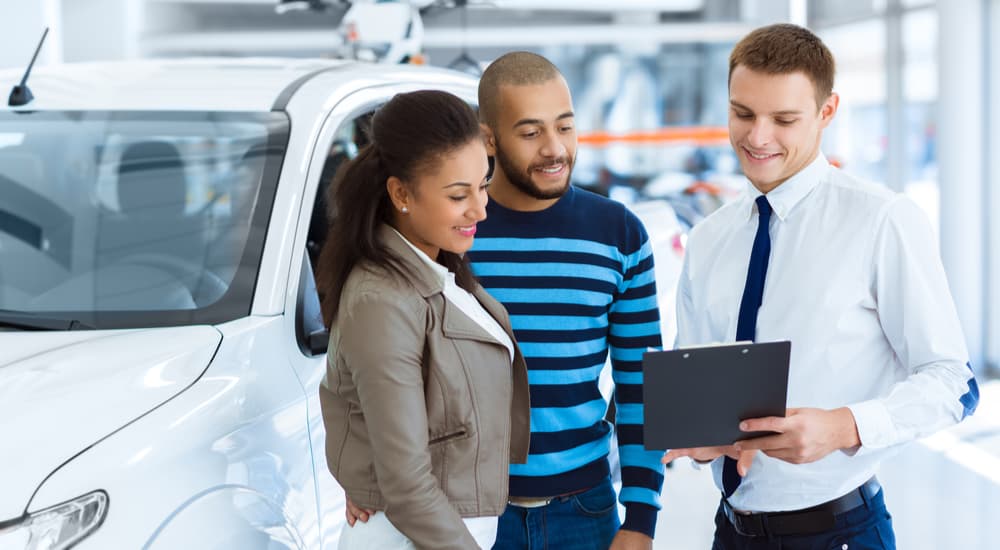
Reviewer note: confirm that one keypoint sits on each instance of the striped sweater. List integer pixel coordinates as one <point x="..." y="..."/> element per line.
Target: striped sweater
<point x="577" y="280"/>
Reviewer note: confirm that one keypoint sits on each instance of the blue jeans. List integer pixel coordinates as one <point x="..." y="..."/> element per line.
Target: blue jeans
<point x="587" y="520"/>
<point x="867" y="527"/>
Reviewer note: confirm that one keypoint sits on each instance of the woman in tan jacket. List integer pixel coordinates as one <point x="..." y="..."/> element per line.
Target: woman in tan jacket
<point x="425" y="399"/>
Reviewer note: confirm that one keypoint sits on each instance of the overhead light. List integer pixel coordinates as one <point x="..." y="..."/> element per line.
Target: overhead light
<point x="285" y="6"/>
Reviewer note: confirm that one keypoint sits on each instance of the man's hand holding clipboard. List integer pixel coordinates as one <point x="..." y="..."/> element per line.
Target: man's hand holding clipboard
<point x="711" y="401"/>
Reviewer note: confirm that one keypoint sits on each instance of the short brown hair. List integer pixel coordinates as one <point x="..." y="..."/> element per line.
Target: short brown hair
<point x="783" y="49"/>
<point x="511" y="69"/>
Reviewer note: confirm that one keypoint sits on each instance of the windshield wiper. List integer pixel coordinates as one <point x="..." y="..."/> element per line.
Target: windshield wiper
<point x="33" y="321"/>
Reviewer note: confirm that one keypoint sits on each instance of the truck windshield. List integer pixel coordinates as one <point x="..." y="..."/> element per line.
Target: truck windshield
<point x="135" y="219"/>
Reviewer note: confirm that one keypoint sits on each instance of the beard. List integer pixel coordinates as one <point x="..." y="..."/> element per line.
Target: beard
<point x="522" y="179"/>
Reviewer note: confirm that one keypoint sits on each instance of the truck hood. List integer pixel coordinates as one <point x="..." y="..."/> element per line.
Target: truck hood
<point x="61" y="392"/>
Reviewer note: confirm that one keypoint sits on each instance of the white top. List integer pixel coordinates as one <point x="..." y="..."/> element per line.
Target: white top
<point x="464" y="300"/>
<point x="855" y="282"/>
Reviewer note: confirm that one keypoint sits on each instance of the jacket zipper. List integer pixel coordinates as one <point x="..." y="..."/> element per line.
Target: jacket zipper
<point x="446" y="437"/>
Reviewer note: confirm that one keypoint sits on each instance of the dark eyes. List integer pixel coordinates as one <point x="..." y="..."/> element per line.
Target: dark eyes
<point x="530" y="135"/>
<point x="779" y="121"/>
<point x="460" y="198"/>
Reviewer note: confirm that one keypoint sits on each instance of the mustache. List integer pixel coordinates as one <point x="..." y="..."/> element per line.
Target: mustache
<point x="542" y="165"/>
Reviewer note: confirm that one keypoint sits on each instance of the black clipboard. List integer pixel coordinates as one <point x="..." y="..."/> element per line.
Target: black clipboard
<point x="696" y="397"/>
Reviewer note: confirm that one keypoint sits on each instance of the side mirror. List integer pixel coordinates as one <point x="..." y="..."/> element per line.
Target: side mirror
<point x="318" y="341"/>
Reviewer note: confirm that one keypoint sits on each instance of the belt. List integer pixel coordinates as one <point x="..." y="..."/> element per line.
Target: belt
<point x="538" y="502"/>
<point x="808" y="521"/>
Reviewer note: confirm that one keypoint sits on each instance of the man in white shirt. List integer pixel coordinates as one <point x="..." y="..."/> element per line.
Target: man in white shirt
<point x="846" y="270"/>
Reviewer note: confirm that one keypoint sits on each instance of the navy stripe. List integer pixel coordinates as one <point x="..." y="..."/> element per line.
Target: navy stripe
<point x="642" y="477"/>
<point x="579" y="310"/>
<point x="644" y="291"/>
<point x="628" y="366"/>
<point x="564" y="395"/>
<point x="552" y="442"/>
<point x="583" y="477"/>
<point x="641" y="267"/>
<point x="561" y="336"/>
<point x="970" y="400"/>
<point x="630" y="434"/>
<point x="638" y="342"/>
<point x="542" y="256"/>
<point x="633" y="318"/>
<point x="564" y="363"/>
<point x="628" y="393"/>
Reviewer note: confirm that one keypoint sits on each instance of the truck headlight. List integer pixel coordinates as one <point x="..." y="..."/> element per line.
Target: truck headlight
<point x="59" y="527"/>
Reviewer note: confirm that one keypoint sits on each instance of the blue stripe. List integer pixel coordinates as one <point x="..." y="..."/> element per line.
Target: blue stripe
<point x="530" y="349"/>
<point x="631" y="306"/>
<point x="642" y="279"/>
<point x="628" y="413"/>
<point x="643" y="329"/>
<point x="573" y="376"/>
<point x="645" y="251"/>
<point x="636" y="456"/>
<point x="545" y="283"/>
<point x="550" y="269"/>
<point x="541" y="256"/>
<point x="970" y="400"/>
<point x="620" y="377"/>
<point x="551" y="296"/>
<point x="640" y="494"/>
<point x="567" y="418"/>
<point x="563" y="461"/>
<point x="557" y="322"/>
<point x="550" y="243"/>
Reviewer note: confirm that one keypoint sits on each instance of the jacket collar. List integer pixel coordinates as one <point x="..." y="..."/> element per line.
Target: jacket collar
<point x="424" y="278"/>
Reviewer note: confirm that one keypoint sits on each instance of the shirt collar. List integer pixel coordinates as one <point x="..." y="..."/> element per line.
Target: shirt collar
<point x="784" y="197"/>
<point x="440" y="271"/>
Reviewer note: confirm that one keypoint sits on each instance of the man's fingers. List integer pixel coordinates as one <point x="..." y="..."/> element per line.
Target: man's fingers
<point x="765" y="443"/>
<point x="767" y="424"/>
<point x="744" y="462"/>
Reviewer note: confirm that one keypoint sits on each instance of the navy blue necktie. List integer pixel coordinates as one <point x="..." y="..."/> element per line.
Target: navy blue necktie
<point x="746" y="327"/>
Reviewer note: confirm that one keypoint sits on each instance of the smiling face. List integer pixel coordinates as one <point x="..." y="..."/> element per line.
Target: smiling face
<point x="534" y="144"/>
<point x="775" y="126"/>
<point x="444" y="202"/>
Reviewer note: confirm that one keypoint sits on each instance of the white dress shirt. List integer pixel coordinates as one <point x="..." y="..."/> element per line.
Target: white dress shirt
<point x="855" y="282"/>
<point x="464" y="300"/>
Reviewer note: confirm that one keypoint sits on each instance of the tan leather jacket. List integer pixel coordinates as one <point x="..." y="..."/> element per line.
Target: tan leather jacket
<point x="423" y="410"/>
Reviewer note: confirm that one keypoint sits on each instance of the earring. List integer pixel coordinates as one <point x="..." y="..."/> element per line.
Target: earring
<point x="405" y="210"/>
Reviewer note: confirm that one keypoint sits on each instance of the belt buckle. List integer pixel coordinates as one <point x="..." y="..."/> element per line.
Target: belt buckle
<point x="528" y="502"/>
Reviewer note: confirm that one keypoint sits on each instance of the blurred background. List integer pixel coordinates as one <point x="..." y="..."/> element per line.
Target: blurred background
<point x="920" y="87"/>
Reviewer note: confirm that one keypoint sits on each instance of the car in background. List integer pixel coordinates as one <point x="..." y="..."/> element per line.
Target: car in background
<point x="161" y="346"/>
<point x="160" y="341"/>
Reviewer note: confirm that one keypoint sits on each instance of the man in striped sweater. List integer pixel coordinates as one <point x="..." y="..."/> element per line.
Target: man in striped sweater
<point x="575" y="271"/>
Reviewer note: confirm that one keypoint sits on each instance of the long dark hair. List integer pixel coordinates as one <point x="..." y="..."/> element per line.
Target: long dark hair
<point x="409" y="134"/>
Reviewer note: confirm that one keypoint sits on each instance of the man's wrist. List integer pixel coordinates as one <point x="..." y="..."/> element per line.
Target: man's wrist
<point x="850" y="438"/>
